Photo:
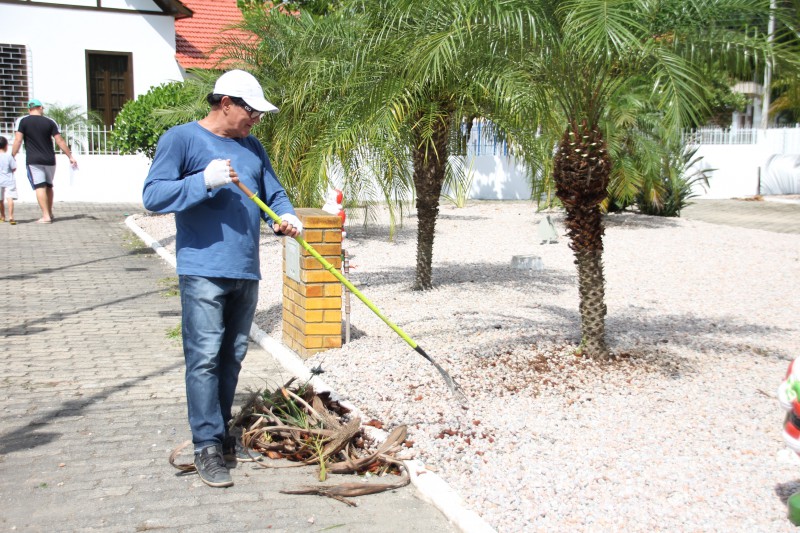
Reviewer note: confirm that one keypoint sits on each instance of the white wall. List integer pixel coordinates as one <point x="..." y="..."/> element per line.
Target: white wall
<point x="782" y="174"/>
<point x="739" y="166"/>
<point x="736" y="170"/>
<point x="99" y="178"/>
<point x="57" y="40"/>
<point x="499" y="177"/>
<point x="116" y="178"/>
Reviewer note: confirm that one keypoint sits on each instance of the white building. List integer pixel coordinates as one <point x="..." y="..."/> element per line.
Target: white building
<point x="94" y="54"/>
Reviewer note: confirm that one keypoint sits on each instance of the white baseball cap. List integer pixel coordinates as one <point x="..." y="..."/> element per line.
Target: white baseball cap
<point x="245" y="86"/>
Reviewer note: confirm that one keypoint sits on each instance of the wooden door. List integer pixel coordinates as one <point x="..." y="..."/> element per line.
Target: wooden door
<point x="110" y="81"/>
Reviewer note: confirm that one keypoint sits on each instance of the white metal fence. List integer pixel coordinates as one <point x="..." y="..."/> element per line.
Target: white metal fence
<point x="95" y="140"/>
<point x="483" y="140"/>
<point x="82" y="140"/>
<point x="744" y="164"/>
<point x="719" y="136"/>
<point x="783" y="140"/>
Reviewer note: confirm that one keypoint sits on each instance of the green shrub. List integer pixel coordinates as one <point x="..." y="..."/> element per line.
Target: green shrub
<point x="138" y="126"/>
<point x="672" y="192"/>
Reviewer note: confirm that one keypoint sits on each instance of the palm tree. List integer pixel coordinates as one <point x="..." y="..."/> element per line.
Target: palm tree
<point x="380" y="83"/>
<point x="788" y="101"/>
<point x="590" y="54"/>
<point x="393" y="81"/>
<point x="71" y="120"/>
<point x="445" y="64"/>
<point x="307" y="65"/>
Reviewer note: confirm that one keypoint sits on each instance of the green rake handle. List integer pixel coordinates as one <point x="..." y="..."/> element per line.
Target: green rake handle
<point x="451" y="383"/>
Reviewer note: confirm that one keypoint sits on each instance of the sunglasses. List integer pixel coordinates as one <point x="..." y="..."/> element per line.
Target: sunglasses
<point x="241" y="103"/>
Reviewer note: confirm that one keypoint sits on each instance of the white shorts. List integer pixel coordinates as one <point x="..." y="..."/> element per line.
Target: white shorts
<point x="8" y="192"/>
<point x="41" y="175"/>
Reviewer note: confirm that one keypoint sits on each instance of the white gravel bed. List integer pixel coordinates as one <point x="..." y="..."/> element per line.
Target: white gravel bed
<point x="681" y="433"/>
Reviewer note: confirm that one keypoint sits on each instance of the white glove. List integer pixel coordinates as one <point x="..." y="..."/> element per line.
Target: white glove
<point x="217" y="174"/>
<point x="294" y="221"/>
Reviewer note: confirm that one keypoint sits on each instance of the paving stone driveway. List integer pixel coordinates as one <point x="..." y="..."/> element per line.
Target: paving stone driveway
<point x="93" y="398"/>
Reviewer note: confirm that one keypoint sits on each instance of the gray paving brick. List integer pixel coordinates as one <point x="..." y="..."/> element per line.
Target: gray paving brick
<point x="94" y="399"/>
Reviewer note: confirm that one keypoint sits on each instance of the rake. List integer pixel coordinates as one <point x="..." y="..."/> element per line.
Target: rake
<point x="454" y="387"/>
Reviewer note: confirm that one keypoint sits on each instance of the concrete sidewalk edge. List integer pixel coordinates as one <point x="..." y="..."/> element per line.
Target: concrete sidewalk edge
<point x="149" y="241"/>
<point x="431" y="487"/>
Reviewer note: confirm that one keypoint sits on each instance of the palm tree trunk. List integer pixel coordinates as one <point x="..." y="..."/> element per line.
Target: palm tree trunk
<point x="591" y="285"/>
<point x="581" y="171"/>
<point x="429" y="173"/>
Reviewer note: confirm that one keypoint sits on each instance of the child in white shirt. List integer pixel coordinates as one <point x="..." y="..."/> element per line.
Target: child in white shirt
<point x="8" y="185"/>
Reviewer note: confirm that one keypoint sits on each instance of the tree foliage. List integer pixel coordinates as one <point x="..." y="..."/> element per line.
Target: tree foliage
<point x="314" y="7"/>
<point x="376" y="96"/>
<point x="70" y="117"/>
<point x="139" y="124"/>
<point x="626" y="77"/>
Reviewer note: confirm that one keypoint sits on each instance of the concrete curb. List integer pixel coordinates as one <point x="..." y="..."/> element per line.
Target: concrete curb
<point x="781" y="200"/>
<point x="149" y="241"/>
<point x="431" y="487"/>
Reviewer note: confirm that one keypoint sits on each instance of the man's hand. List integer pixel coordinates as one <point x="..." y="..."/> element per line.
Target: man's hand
<point x="218" y="173"/>
<point x="290" y="226"/>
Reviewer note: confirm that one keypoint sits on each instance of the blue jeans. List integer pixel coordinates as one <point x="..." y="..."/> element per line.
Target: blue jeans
<point x="217" y="315"/>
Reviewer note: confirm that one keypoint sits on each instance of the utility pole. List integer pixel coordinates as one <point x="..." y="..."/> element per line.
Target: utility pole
<point x="768" y="68"/>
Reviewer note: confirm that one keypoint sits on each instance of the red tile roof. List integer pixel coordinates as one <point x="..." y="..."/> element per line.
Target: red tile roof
<point x="197" y="35"/>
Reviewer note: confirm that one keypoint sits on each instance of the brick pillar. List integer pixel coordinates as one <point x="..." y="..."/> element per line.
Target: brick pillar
<point x="312" y="296"/>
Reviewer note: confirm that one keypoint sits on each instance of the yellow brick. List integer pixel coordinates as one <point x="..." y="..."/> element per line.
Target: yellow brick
<point x="295" y="334"/>
<point x="306" y="353"/>
<point x="311" y="316"/>
<point x="321" y="328"/>
<point x="332" y="235"/>
<point x="313" y="236"/>
<point x="291" y="320"/>
<point x="292" y="284"/>
<point x="317" y="276"/>
<point x="333" y="289"/>
<point x="313" y="213"/>
<point x="289" y="296"/>
<point x="312" y="290"/>
<point x="315" y="290"/>
<point x="321" y="303"/>
<point x="311" y="262"/>
<point x="312" y="342"/>
<point x="291" y="306"/>
<point x="332" y="342"/>
<point x="325" y="250"/>
<point x="324" y="221"/>
<point x="332" y="316"/>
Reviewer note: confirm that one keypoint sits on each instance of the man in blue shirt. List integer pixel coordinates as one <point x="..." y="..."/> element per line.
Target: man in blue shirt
<point x="193" y="175"/>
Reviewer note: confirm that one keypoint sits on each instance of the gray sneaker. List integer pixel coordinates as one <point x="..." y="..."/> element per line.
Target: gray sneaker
<point x="211" y="467"/>
<point x="234" y="450"/>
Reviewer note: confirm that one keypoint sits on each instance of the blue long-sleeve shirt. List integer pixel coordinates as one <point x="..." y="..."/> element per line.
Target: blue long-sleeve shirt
<point x="217" y="231"/>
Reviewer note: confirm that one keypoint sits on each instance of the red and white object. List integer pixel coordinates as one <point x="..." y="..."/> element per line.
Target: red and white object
<point x="787" y="396"/>
<point x="333" y="205"/>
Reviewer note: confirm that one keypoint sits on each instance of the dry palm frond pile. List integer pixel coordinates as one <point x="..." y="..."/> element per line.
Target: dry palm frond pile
<point x="302" y="425"/>
<point x="310" y="428"/>
<point x="313" y="429"/>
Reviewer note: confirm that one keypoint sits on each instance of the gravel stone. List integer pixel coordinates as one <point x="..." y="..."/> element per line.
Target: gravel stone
<point x="681" y="432"/>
